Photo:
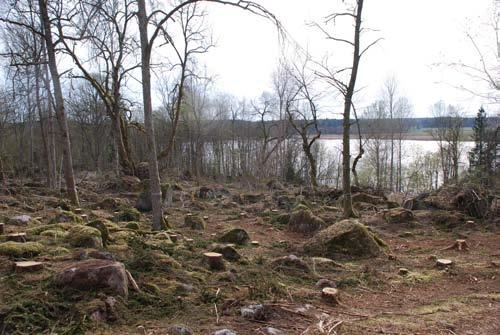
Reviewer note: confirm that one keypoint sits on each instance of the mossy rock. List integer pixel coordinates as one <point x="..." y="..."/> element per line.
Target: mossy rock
<point x="227" y="251"/>
<point x="111" y="204"/>
<point x="301" y="207"/>
<point x="54" y="226"/>
<point x="133" y="225"/>
<point x="54" y="233"/>
<point x="345" y="239"/>
<point x="66" y="217"/>
<point x="398" y="215"/>
<point x="195" y="222"/>
<point x="128" y="215"/>
<point x="18" y="249"/>
<point x="123" y="236"/>
<point x="447" y="219"/>
<point x="236" y="236"/>
<point x="85" y="236"/>
<point x="103" y="229"/>
<point x="304" y="221"/>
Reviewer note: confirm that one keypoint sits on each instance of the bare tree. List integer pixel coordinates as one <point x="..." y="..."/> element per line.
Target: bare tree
<point x="344" y="81"/>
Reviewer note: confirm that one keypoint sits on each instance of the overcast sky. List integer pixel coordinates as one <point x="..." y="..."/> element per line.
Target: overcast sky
<point x="417" y="35"/>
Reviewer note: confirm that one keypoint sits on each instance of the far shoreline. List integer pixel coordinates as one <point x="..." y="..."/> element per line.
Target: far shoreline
<point x="408" y="136"/>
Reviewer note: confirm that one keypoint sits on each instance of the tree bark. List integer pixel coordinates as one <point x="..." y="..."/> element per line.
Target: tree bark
<point x="154" y="176"/>
<point x="59" y="102"/>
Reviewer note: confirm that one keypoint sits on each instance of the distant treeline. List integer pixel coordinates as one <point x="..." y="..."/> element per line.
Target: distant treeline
<point x="334" y="126"/>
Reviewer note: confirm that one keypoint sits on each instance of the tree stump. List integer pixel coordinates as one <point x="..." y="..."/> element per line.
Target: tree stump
<point x="189" y="241"/>
<point x="28" y="266"/>
<point x="2" y="228"/>
<point x="443" y="263"/>
<point x="330" y="295"/>
<point x="255" y="243"/>
<point x="78" y="211"/>
<point x="460" y="245"/>
<point x="403" y="271"/>
<point x="174" y="237"/>
<point x="214" y="260"/>
<point x="84" y="217"/>
<point x="17" y="237"/>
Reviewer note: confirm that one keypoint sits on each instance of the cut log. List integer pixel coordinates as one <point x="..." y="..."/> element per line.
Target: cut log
<point x="17" y="237"/>
<point x="460" y="245"/>
<point x="28" y="266"/>
<point x="2" y="228"/>
<point x="330" y="295"/>
<point x="214" y="260"/>
<point x="444" y="263"/>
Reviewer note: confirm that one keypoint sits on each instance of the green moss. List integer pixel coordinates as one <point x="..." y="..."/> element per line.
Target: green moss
<point x="129" y="214"/>
<point x="54" y="226"/>
<point x="84" y="236"/>
<point x="54" y="233"/>
<point x="18" y="249"/>
<point x="58" y="251"/>
<point x="281" y="219"/>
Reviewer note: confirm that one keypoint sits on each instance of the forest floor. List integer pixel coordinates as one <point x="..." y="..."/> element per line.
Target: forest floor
<point x="400" y="292"/>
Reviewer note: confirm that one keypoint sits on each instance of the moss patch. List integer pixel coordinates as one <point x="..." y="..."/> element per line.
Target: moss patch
<point x="84" y="236"/>
<point x="17" y="249"/>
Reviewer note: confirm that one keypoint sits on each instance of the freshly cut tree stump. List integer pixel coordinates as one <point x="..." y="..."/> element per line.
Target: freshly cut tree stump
<point x="330" y="295"/>
<point x="443" y="263"/>
<point x="77" y="211"/>
<point x="2" y="228"/>
<point x="214" y="260"/>
<point x="460" y="245"/>
<point x="84" y="217"/>
<point x="174" y="237"/>
<point x="189" y="240"/>
<point x="255" y="243"/>
<point x="17" y="237"/>
<point x="28" y="266"/>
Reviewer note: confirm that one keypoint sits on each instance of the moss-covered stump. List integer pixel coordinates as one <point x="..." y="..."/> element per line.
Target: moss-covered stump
<point x="347" y="238"/>
<point x="236" y="236"/>
<point x="398" y="215"/>
<point x="66" y="217"/>
<point x="304" y="221"/>
<point x="85" y="236"/>
<point x="18" y="249"/>
<point x="195" y="222"/>
<point x="128" y="215"/>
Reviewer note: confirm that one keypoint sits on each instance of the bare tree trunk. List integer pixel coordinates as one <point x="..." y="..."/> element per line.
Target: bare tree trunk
<point x="346" y="125"/>
<point x="59" y="102"/>
<point x="148" y="117"/>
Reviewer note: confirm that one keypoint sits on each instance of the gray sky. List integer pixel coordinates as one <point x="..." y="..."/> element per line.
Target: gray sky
<point x="417" y="35"/>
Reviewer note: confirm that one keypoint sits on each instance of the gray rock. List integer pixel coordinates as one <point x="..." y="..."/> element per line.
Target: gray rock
<point x="179" y="330"/>
<point x="227" y="251"/>
<point x="253" y="312"/>
<point x="236" y="236"/>
<point x="20" y="220"/>
<point x="224" y="332"/>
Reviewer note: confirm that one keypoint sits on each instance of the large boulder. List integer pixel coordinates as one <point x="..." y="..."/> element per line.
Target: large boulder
<point x="93" y="274"/>
<point x="236" y="236"/>
<point x="195" y="222"/>
<point x="290" y="264"/>
<point x="304" y="221"/>
<point x="346" y="239"/>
